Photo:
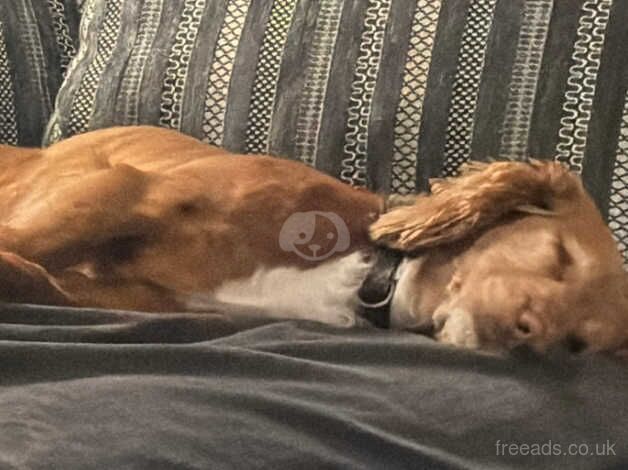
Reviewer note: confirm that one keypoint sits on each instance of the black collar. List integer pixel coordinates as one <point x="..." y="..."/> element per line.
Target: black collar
<point x="378" y="288"/>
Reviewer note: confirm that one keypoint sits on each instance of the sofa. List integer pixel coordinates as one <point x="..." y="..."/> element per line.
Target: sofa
<point x="383" y="94"/>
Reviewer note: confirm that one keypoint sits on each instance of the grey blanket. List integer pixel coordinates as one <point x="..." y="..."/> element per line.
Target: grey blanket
<point x="85" y="389"/>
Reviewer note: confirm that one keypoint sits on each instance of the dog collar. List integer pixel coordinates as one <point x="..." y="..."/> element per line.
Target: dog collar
<point x="378" y="288"/>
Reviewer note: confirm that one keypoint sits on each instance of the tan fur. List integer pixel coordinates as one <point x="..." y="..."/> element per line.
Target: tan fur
<point x="157" y="215"/>
<point x="530" y="257"/>
<point x="480" y="196"/>
<point x="141" y="217"/>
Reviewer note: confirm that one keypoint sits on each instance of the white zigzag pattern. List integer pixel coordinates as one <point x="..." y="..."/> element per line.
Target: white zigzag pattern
<point x="365" y="77"/>
<point x="524" y="79"/>
<point x="581" y="83"/>
<point x="320" y="55"/>
<point x="179" y="63"/>
<point x="62" y="33"/>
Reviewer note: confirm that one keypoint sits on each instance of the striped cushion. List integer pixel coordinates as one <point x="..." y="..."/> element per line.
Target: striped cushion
<point x="379" y="93"/>
<point x="37" y="40"/>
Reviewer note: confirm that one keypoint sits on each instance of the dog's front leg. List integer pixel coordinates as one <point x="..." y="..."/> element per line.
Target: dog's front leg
<point x="62" y="225"/>
<point x="22" y="281"/>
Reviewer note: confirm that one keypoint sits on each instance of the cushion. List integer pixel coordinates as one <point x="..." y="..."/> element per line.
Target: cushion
<point x="379" y="93"/>
<point x="37" y="41"/>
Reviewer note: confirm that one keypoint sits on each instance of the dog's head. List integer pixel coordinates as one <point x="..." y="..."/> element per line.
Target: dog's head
<point x="535" y="263"/>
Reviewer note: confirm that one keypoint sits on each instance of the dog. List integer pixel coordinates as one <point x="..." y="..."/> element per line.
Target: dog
<point x="508" y="254"/>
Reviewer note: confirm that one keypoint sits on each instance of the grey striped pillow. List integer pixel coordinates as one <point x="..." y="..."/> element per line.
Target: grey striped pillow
<point x="380" y="93"/>
<point x="37" y="41"/>
<point x="317" y="81"/>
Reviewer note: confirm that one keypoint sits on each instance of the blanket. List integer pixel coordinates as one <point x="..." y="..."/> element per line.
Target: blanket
<point x="92" y="389"/>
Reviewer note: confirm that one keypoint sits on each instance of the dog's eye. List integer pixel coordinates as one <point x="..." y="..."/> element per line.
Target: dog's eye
<point x="564" y="262"/>
<point x="564" y="258"/>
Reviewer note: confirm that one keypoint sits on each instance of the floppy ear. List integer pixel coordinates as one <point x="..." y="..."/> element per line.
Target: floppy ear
<point x="483" y="193"/>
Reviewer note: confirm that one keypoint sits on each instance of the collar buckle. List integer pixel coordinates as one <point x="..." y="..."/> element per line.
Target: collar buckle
<point x="378" y="288"/>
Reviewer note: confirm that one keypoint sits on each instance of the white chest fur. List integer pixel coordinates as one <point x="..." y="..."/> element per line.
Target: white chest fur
<point x="325" y="293"/>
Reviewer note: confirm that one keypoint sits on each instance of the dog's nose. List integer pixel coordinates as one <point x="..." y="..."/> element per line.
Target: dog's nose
<point x="528" y="326"/>
<point x="314" y="248"/>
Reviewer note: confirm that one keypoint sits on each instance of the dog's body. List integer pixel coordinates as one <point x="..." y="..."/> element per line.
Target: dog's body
<point x="89" y="209"/>
<point x="146" y="218"/>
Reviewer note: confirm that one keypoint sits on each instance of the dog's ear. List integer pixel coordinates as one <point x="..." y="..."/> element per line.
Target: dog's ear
<point x="458" y="207"/>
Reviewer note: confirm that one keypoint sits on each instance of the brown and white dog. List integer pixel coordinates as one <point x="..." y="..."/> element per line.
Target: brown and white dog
<point x="149" y="219"/>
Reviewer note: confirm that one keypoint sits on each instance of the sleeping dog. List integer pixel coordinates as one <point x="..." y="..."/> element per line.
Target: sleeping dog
<point x="506" y="254"/>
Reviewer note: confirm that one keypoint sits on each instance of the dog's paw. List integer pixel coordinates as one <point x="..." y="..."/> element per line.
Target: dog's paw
<point x="23" y="281"/>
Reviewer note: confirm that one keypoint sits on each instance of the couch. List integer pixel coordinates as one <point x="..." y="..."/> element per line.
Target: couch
<point x="383" y="94"/>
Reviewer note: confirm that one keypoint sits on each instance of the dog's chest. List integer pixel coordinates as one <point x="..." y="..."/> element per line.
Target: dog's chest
<point x="325" y="293"/>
